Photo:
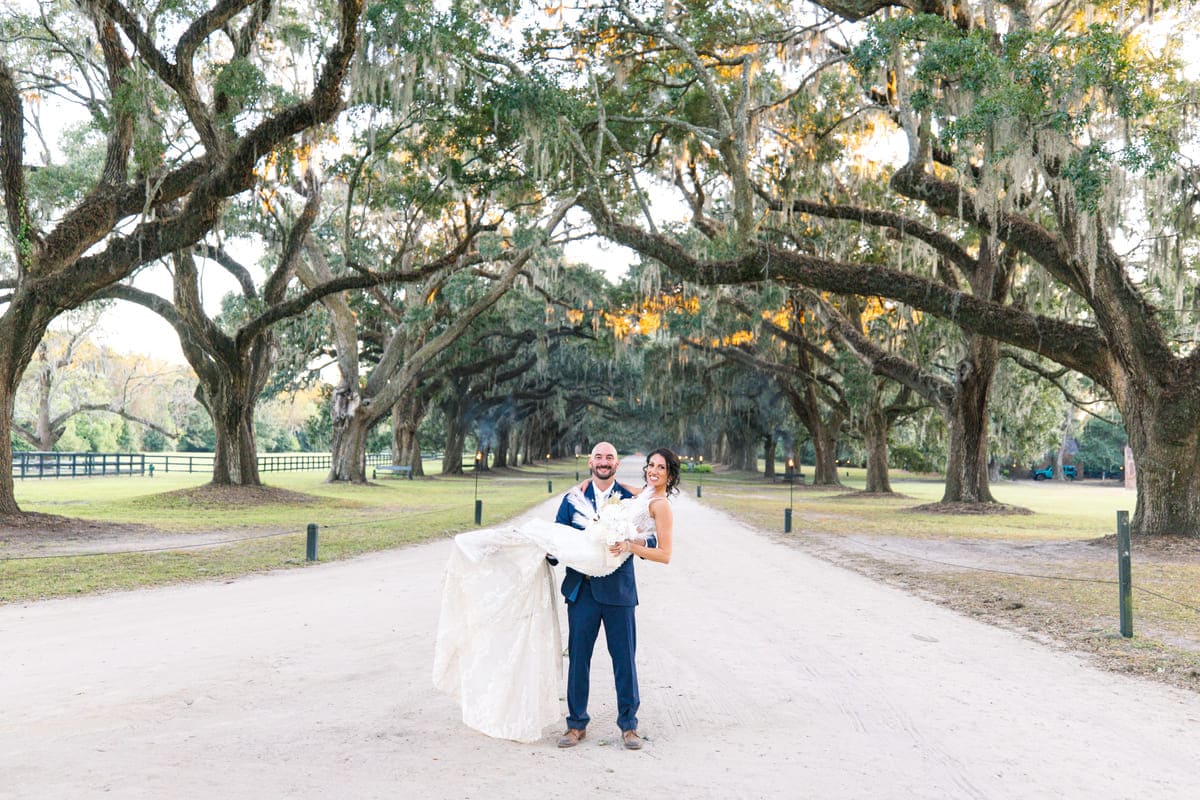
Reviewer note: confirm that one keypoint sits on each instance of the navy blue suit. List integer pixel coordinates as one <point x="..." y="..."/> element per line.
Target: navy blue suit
<point x="610" y="601"/>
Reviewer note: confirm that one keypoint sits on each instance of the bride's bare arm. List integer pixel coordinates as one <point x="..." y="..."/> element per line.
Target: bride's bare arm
<point x="660" y="510"/>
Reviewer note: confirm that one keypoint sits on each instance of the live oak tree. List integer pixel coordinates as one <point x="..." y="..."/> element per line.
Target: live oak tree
<point x="1033" y="126"/>
<point x="700" y="149"/>
<point x="187" y="105"/>
<point x="877" y="402"/>
<point x="505" y="374"/>
<point x="789" y="345"/>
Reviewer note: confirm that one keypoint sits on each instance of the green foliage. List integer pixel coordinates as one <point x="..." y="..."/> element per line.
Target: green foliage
<point x="1027" y="412"/>
<point x="316" y="435"/>
<point x="910" y="458"/>
<point x="90" y="433"/>
<point x="1101" y="446"/>
<point x="155" y="442"/>
<point x="239" y="80"/>
<point x="198" y="436"/>
<point x="125" y="437"/>
<point x="272" y="438"/>
<point x="1002" y="93"/>
<point x="63" y="183"/>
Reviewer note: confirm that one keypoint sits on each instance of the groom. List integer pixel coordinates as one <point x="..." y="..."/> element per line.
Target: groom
<point x="594" y="601"/>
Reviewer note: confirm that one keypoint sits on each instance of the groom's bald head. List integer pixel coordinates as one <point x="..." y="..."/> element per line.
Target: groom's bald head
<point x="603" y="463"/>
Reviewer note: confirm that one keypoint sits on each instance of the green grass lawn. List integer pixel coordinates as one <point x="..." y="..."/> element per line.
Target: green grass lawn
<point x="1062" y="510"/>
<point x="258" y="536"/>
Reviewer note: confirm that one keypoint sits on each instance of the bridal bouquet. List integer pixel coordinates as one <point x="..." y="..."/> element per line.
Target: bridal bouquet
<point x="613" y="524"/>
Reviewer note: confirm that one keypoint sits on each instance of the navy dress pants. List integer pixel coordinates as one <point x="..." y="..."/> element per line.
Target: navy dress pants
<point x="584" y="618"/>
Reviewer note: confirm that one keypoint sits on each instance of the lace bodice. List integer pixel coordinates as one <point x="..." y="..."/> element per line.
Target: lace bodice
<point x="641" y="514"/>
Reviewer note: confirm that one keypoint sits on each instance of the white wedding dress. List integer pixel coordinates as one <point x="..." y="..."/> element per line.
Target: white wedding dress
<point x="498" y="650"/>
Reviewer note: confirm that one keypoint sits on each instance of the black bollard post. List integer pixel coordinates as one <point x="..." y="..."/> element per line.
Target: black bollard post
<point x="1124" y="574"/>
<point x="698" y="487"/>
<point x="478" y="512"/>
<point x="787" y="520"/>
<point x="549" y="487"/>
<point x="310" y="549"/>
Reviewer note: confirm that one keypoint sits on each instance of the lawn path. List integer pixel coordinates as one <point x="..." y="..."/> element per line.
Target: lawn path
<point x="764" y="673"/>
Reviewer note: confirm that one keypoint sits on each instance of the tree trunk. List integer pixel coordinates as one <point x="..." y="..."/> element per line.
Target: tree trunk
<point x="45" y="432"/>
<point x="1165" y="440"/>
<point x="741" y="451"/>
<point x="824" y="430"/>
<point x="229" y="392"/>
<point x="8" y="385"/>
<point x="406" y="445"/>
<point x="522" y="454"/>
<point x="456" y="440"/>
<point x="825" y="471"/>
<point x="503" y="434"/>
<point x="1062" y="446"/>
<point x="348" y="450"/>
<point x="993" y="469"/>
<point x="769" y="456"/>
<point x="875" y="438"/>
<point x="352" y="423"/>
<point x="235" y="462"/>
<point x="21" y="328"/>
<point x="967" y="457"/>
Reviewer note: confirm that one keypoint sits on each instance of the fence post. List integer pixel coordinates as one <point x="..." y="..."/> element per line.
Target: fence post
<point x="310" y="549"/>
<point x="1124" y="574"/>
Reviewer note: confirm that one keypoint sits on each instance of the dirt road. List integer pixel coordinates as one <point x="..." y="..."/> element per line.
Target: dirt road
<point x="764" y="673"/>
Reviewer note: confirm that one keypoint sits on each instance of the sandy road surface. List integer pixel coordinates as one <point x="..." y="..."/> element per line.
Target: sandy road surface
<point x="764" y="673"/>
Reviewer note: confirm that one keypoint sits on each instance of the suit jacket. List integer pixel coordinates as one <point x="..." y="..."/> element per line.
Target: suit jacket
<point x="617" y="589"/>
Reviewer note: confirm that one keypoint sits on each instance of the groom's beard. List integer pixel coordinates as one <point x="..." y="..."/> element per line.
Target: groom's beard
<point x="603" y="473"/>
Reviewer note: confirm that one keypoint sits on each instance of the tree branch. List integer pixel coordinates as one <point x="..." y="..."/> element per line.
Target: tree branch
<point x="1079" y="347"/>
<point x="12" y="174"/>
<point x="940" y="242"/>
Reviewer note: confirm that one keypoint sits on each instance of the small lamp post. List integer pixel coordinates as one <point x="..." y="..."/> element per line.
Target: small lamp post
<point x="478" y="502"/>
<point x="787" y="513"/>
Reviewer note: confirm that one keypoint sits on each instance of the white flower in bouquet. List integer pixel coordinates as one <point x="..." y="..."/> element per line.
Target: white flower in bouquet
<point x="613" y="524"/>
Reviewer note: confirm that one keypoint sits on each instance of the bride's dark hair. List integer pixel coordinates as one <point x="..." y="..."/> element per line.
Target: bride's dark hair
<point x="672" y="461"/>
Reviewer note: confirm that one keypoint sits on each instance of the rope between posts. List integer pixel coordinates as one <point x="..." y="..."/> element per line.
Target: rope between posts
<point x="148" y="549"/>
<point x="216" y="542"/>
<point x="409" y="515"/>
<point x="1101" y="581"/>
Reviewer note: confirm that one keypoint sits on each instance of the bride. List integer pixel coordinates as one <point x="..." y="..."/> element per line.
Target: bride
<point x="498" y="649"/>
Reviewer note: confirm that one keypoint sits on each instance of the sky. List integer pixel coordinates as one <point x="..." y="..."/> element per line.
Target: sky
<point x="130" y="328"/>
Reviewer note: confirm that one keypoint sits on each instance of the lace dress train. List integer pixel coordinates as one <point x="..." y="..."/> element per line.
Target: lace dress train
<point x="498" y="650"/>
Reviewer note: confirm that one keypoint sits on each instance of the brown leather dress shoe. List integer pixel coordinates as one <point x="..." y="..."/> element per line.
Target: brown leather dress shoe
<point x="632" y="740"/>
<point x="572" y="737"/>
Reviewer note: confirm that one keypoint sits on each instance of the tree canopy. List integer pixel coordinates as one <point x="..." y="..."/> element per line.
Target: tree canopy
<point x="886" y="207"/>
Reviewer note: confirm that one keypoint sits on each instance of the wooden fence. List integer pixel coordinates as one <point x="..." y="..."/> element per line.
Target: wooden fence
<point x="29" y="464"/>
